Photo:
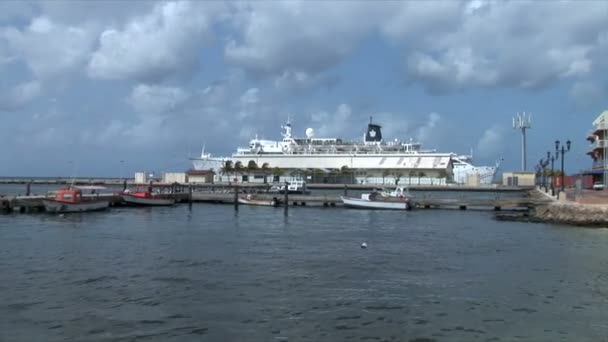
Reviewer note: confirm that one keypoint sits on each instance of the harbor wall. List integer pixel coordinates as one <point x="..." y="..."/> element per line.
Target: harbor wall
<point x="593" y="215"/>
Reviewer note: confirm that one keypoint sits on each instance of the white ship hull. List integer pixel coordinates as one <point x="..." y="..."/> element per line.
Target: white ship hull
<point x="462" y="173"/>
<point x="62" y="207"/>
<point x="367" y="204"/>
<point x="208" y="163"/>
<point x="352" y="161"/>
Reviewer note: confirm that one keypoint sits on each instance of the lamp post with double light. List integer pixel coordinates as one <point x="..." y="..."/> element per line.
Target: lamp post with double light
<point x="543" y="164"/>
<point x="564" y="149"/>
<point x="552" y="158"/>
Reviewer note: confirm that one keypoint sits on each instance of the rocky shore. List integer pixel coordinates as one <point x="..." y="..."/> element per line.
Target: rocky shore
<point x="589" y="215"/>
<point x="570" y="213"/>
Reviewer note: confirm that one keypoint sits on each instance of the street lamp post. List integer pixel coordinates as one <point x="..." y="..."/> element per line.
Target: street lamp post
<point x="543" y="164"/>
<point x="552" y="159"/>
<point x="564" y="149"/>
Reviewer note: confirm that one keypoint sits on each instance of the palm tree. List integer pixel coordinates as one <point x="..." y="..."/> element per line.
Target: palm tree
<point x="265" y="171"/>
<point x="384" y="174"/>
<point x="397" y="176"/>
<point x="411" y="174"/>
<point x="252" y="166"/>
<point x="278" y="172"/>
<point x="344" y="170"/>
<point x="227" y="168"/>
<point x="420" y="174"/>
<point x="238" y="167"/>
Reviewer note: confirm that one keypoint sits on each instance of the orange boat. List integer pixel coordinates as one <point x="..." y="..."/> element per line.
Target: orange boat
<point x="71" y="201"/>
<point x="145" y="198"/>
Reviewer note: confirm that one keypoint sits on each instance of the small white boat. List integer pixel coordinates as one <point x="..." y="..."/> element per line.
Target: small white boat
<point x="71" y="201"/>
<point x="293" y="187"/>
<point x="252" y="200"/>
<point x="377" y="200"/>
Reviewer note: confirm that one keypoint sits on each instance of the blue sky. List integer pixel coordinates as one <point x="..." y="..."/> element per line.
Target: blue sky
<point x="87" y="84"/>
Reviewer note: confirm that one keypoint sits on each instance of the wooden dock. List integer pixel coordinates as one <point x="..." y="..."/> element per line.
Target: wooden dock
<point x="496" y="204"/>
<point x="226" y="195"/>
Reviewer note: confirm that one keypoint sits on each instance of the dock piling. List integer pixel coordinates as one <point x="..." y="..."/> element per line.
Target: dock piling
<point x="28" y="187"/>
<point x="345" y="190"/>
<point x="236" y="197"/>
<point x="286" y="198"/>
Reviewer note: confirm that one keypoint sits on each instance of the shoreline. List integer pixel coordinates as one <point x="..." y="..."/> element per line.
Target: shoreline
<point x="563" y="212"/>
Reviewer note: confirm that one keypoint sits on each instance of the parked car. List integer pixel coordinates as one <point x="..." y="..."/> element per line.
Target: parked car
<point x="599" y="185"/>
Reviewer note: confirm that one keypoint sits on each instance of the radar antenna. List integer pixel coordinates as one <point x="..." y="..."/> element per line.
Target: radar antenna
<point x="523" y="121"/>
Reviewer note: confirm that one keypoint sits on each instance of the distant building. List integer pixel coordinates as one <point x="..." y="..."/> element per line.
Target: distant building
<point x="200" y="176"/>
<point x="519" y="178"/>
<point x="598" y="138"/>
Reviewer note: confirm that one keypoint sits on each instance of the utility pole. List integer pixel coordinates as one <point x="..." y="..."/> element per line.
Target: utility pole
<point x="522" y="121"/>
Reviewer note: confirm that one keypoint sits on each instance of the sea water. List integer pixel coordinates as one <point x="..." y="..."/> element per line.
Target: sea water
<point x="213" y="274"/>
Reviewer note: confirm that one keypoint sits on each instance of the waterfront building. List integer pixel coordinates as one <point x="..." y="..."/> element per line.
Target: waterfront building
<point x="598" y="138"/>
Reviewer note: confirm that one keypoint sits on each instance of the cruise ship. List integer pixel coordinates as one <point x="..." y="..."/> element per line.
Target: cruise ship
<point x="464" y="169"/>
<point x="371" y="160"/>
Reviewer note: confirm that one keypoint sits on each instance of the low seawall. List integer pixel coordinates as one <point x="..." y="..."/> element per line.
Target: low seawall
<point x="589" y="215"/>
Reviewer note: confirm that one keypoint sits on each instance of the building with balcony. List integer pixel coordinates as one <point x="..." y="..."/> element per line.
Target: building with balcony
<point x="598" y="137"/>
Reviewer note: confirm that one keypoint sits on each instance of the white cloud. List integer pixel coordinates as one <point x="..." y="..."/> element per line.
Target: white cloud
<point x="19" y="95"/>
<point x="504" y="44"/>
<point x="156" y="99"/>
<point x="164" y="43"/>
<point x="447" y="45"/>
<point x="296" y="40"/>
<point x="492" y="141"/>
<point x="47" y="47"/>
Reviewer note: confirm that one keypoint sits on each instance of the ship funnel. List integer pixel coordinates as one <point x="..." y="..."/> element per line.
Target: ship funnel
<point x="374" y="133"/>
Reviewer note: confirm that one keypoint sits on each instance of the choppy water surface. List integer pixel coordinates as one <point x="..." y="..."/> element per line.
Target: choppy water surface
<point x="167" y="274"/>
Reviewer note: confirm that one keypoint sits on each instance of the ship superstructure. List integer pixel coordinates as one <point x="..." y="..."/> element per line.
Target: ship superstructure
<point x="370" y="160"/>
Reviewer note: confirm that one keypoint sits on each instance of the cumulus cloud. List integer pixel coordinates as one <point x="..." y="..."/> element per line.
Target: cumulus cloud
<point x="492" y="141"/>
<point x="294" y="41"/>
<point x="163" y="43"/>
<point x="447" y="46"/>
<point x="503" y="44"/>
<point x="47" y="47"/>
<point x="155" y="99"/>
<point x="19" y="95"/>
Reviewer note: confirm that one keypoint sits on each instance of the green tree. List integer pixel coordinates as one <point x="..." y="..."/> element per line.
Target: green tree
<point x="277" y="172"/>
<point x="384" y="174"/>
<point x="411" y="174"/>
<point x="344" y="171"/>
<point x="252" y="166"/>
<point x="227" y="168"/>
<point x="397" y="176"/>
<point x="265" y="171"/>
<point x="420" y="175"/>
<point x="238" y="168"/>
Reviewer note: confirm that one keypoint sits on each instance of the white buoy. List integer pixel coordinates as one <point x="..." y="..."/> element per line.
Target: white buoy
<point x="61" y="215"/>
<point x="364" y="245"/>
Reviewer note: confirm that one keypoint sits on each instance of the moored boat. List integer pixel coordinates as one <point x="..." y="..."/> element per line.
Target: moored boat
<point x="146" y="198"/>
<point x="254" y="200"/>
<point x="378" y="200"/>
<point x="71" y="201"/>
